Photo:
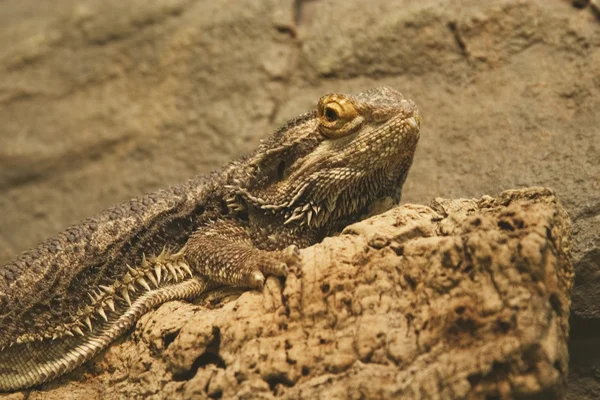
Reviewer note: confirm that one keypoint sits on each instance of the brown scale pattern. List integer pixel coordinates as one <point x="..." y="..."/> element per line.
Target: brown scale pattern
<point x="315" y="175"/>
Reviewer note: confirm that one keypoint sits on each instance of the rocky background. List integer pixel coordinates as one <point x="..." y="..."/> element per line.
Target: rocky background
<point x="101" y="100"/>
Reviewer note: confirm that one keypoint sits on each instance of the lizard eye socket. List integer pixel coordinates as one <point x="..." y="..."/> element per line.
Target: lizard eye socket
<point x="331" y="115"/>
<point x="338" y="116"/>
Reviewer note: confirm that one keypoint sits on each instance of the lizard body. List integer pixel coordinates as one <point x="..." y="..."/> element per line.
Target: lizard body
<point x="68" y="298"/>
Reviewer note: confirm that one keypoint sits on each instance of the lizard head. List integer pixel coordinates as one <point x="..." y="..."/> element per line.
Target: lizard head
<point x="329" y="165"/>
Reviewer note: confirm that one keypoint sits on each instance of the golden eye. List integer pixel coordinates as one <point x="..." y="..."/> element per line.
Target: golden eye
<point x="337" y="116"/>
<point x="331" y="115"/>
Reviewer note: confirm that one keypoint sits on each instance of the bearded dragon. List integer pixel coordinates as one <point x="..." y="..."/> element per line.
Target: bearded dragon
<point x="67" y="299"/>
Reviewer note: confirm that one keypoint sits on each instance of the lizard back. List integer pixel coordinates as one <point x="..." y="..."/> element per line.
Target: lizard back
<point x="71" y="296"/>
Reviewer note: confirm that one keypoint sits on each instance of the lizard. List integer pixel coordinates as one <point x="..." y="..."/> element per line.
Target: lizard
<point x="67" y="299"/>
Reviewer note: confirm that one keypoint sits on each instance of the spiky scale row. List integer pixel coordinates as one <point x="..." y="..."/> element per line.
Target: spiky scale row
<point x="171" y="267"/>
<point x="81" y="349"/>
<point x="339" y="179"/>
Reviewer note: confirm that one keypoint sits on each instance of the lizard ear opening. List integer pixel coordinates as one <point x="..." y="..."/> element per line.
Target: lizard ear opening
<point x="281" y="170"/>
<point x="338" y="116"/>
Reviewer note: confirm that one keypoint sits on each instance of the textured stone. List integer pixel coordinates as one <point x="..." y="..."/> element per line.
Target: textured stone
<point x="463" y="299"/>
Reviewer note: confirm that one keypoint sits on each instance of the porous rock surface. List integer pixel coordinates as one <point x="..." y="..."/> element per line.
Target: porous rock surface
<point x="465" y="299"/>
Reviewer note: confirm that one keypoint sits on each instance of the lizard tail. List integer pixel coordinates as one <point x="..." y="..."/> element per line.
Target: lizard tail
<point x="28" y="364"/>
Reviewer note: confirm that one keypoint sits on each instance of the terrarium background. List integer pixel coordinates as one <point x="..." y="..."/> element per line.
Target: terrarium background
<point x="101" y="100"/>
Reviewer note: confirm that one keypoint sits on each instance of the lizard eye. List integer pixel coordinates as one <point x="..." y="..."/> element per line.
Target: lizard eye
<point x="331" y="115"/>
<point x="338" y="116"/>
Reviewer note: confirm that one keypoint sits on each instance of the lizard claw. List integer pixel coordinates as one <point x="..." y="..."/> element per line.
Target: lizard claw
<point x="280" y="262"/>
<point x="291" y="255"/>
<point x="256" y="280"/>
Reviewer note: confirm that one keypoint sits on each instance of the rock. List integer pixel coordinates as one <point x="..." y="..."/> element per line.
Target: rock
<point x="463" y="299"/>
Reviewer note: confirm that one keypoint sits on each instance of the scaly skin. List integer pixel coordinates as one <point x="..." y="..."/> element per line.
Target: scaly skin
<point x="68" y="298"/>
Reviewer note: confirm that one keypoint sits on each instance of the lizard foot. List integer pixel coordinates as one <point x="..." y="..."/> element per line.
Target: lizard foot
<point x="270" y="263"/>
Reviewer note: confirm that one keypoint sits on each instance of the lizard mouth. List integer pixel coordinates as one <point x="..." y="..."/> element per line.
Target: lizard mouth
<point x="362" y="169"/>
<point x="394" y="161"/>
<point x="418" y="119"/>
<point x="393" y="145"/>
<point x="382" y="159"/>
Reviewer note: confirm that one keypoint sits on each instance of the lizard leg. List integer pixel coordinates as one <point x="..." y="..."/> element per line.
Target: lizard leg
<point x="223" y="252"/>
